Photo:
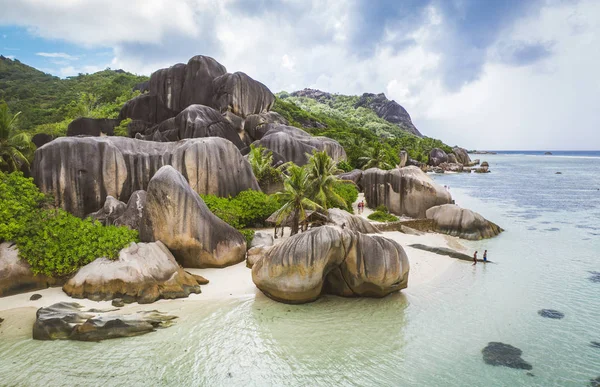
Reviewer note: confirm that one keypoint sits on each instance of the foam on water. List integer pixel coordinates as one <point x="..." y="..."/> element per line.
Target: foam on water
<point x="431" y="336"/>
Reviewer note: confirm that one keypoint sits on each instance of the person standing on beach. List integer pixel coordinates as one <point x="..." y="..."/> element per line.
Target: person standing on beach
<point x="475" y="258"/>
<point x="485" y="256"/>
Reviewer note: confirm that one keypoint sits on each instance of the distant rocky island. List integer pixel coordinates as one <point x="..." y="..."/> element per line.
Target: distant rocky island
<point x="197" y="138"/>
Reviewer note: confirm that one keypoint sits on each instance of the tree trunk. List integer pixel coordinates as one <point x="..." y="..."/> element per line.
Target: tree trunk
<point x="295" y="222"/>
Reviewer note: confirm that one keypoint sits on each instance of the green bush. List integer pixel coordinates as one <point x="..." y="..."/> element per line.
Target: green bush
<point x="248" y="234"/>
<point x="121" y="129"/>
<point x="344" y="166"/>
<point x="53" y="241"/>
<point x="348" y="192"/>
<point x="381" y="216"/>
<point x="248" y="209"/>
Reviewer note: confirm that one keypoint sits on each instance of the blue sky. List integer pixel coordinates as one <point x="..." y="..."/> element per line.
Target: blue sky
<point x="511" y="74"/>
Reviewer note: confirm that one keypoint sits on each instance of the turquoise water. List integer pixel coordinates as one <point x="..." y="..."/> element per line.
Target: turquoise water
<point x="428" y="336"/>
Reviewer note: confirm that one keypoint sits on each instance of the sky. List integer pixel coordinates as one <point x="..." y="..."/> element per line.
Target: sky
<point x="484" y="74"/>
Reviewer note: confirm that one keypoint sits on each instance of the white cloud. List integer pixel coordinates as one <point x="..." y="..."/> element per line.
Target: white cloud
<point x="60" y="55"/>
<point x="10" y="57"/>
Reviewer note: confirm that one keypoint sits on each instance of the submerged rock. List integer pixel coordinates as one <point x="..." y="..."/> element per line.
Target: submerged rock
<point x="177" y="216"/>
<point x="80" y="172"/>
<point x="460" y="222"/>
<point x="551" y="313"/>
<point x="404" y="191"/>
<point x="500" y="354"/>
<point x="331" y="260"/>
<point x="67" y="321"/>
<point x="595" y="382"/>
<point x="144" y="272"/>
<point x="595" y="276"/>
<point x="16" y="275"/>
<point x="595" y="344"/>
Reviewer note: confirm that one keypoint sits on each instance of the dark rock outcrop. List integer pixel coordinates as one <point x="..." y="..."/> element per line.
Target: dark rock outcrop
<point x="80" y="172"/>
<point x="41" y="139"/>
<point x="146" y="108"/>
<point x="35" y="297"/>
<point x="144" y="272"/>
<point x="354" y="176"/>
<point x="595" y="276"/>
<point x="16" y="275"/>
<point x="331" y="260"/>
<point x="551" y="313"/>
<point x="68" y="321"/>
<point x="437" y="157"/>
<point x="390" y="111"/>
<point x="142" y="87"/>
<point x="404" y="191"/>
<point x="452" y="220"/>
<point x="296" y="145"/>
<point x="178" y="217"/>
<point x="254" y="124"/>
<point x="241" y="95"/>
<point x="111" y="210"/>
<point x="500" y="354"/>
<point x="83" y="126"/>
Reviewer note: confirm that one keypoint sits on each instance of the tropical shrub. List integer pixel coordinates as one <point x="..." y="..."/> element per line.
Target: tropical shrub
<point x="348" y="192"/>
<point x="248" y="209"/>
<point x="261" y="161"/>
<point x="382" y="216"/>
<point x="53" y="241"/>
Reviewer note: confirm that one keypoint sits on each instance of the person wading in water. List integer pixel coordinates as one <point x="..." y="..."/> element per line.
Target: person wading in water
<point x="475" y="258"/>
<point x="485" y="256"/>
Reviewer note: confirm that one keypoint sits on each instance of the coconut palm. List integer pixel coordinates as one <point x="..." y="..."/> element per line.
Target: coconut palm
<point x="15" y="148"/>
<point x="322" y="170"/>
<point x="261" y="161"/>
<point x="296" y="192"/>
<point x="376" y="158"/>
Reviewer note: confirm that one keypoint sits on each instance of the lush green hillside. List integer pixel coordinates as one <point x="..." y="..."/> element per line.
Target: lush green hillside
<point x="49" y="103"/>
<point x="361" y="132"/>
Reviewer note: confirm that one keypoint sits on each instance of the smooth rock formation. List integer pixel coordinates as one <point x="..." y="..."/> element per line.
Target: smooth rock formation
<point x="241" y="95"/>
<point x="132" y="215"/>
<point x="452" y="159"/>
<point x="109" y="213"/>
<point x="354" y="176"/>
<point x="462" y="156"/>
<point x="262" y="238"/>
<point x="254" y="124"/>
<point x="351" y="222"/>
<point x="500" y="354"/>
<point x="84" y="126"/>
<point x="404" y="191"/>
<point x="254" y="254"/>
<point x="452" y="220"/>
<point x="437" y="156"/>
<point x="403" y="156"/>
<point x="177" y="216"/>
<point x="68" y="321"/>
<point x="144" y="272"/>
<point x="147" y="110"/>
<point x="296" y="145"/>
<point x="331" y="260"/>
<point x="551" y="313"/>
<point x="80" y="172"/>
<point x="16" y="275"/>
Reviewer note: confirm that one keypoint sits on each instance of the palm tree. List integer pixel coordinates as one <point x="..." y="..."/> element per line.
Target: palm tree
<point x="322" y="170"/>
<point x="15" y="148"/>
<point x="296" y="196"/>
<point x="376" y="158"/>
<point x="261" y="160"/>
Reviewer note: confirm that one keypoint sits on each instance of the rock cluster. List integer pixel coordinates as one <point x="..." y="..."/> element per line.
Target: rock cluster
<point x="404" y="191"/>
<point x="144" y="272"/>
<point x="500" y="354"/>
<point x="331" y="260"/>
<point x="460" y="222"/>
<point x="81" y="172"/>
<point x="68" y="321"/>
<point x="16" y="275"/>
<point x="176" y="215"/>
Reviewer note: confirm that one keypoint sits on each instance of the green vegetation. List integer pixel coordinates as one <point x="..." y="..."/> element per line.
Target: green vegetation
<point x="49" y="103"/>
<point x="261" y="160"/>
<point x="16" y="149"/>
<point x="52" y="241"/>
<point x="359" y="130"/>
<point x="381" y="214"/>
<point x="348" y="192"/>
<point x="321" y="174"/>
<point x="248" y="209"/>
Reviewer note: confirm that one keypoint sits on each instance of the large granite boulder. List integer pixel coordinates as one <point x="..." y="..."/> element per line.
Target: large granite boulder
<point x="241" y="95"/>
<point x="331" y="260"/>
<point x="404" y="191"/>
<point x="296" y="145"/>
<point x="110" y="212"/>
<point x="132" y="215"/>
<point x="16" y="275"/>
<point x="144" y="272"/>
<point x="254" y="124"/>
<point x="351" y="222"/>
<point x="68" y="321"/>
<point x="354" y="176"/>
<point x="177" y="216"/>
<point x="84" y="126"/>
<point x="452" y="220"/>
<point x="41" y="139"/>
<point x="462" y="156"/>
<point x="437" y="157"/>
<point x="80" y="172"/>
<point x="195" y="121"/>
<point x="146" y="108"/>
<point x="452" y="159"/>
